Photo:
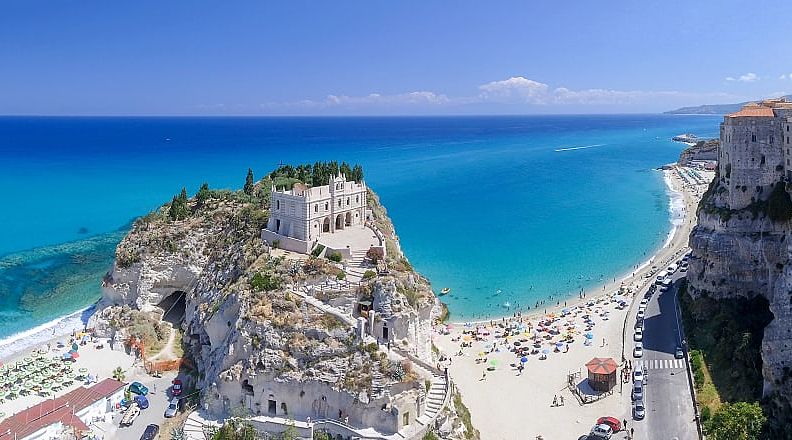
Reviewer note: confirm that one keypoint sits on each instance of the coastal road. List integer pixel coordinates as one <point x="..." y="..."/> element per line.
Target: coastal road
<point x="669" y="405"/>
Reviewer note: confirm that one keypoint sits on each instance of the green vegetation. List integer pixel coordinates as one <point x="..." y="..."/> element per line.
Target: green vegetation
<point x="334" y="256"/>
<point x="340" y="275"/>
<point x="202" y="195"/>
<point x="118" y="374"/>
<point x="316" y="175"/>
<point x="179" y="209"/>
<point x="471" y="433"/>
<point x="249" y="183"/>
<point x="725" y="341"/>
<point x="317" y="250"/>
<point x="264" y="282"/>
<point x="737" y="421"/>
<point x="430" y="436"/>
<point x="233" y="429"/>
<point x="369" y="274"/>
<point x="321" y="435"/>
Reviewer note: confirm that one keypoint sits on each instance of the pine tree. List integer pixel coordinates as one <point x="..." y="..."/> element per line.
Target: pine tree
<point x="346" y="170"/>
<point x="357" y="173"/>
<point x="248" y="189"/>
<point x="202" y="195"/>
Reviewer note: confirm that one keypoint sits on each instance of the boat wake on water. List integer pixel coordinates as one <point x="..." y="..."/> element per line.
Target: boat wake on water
<point x="582" y="147"/>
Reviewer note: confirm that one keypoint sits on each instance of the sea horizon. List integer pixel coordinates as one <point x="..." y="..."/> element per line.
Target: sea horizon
<point x="529" y="154"/>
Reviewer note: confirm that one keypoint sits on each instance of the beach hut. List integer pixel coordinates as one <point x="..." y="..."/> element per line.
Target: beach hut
<point x="602" y="373"/>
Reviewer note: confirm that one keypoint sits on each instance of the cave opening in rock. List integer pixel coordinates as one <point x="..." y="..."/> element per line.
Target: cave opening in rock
<point x="174" y="307"/>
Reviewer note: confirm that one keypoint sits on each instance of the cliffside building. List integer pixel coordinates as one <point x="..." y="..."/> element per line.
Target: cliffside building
<point x="300" y="215"/>
<point x="755" y="150"/>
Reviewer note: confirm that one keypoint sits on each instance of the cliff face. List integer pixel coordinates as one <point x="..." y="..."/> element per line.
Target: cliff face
<point x="740" y="250"/>
<point x="255" y="337"/>
<point x="703" y="150"/>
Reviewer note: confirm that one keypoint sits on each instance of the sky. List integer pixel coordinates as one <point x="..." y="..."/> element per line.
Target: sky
<point x="388" y="58"/>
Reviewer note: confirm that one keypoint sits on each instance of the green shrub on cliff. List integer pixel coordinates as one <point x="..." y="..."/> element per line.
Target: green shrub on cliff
<point x="737" y="421"/>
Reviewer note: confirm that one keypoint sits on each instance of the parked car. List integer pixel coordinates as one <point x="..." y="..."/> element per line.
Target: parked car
<point x="173" y="407"/>
<point x="613" y="422"/>
<point x="638" y="336"/>
<point x="638" y="375"/>
<point x="678" y="352"/>
<point x="141" y="401"/>
<point x="639" y="411"/>
<point x="151" y="432"/>
<point x="177" y="387"/>
<point x="601" y="431"/>
<point x="138" y="388"/>
<point x="637" y="391"/>
<point x="641" y="313"/>
<point x="644" y="302"/>
<point x="638" y="350"/>
<point x="639" y="323"/>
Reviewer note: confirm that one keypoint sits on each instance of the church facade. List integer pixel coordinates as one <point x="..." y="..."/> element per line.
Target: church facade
<point x="300" y="215"/>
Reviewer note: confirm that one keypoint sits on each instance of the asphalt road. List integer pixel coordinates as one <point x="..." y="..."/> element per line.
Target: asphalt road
<point x="669" y="405"/>
<point x="154" y="414"/>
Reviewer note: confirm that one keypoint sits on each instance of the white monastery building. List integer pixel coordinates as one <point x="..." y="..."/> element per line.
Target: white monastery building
<point x="298" y="217"/>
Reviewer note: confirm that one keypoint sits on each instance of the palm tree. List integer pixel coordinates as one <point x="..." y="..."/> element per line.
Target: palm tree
<point x="118" y="374"/>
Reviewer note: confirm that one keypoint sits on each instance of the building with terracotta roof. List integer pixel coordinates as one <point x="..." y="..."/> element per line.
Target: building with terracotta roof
<point x="70" y="413"/>
<point x="755" y="155"/>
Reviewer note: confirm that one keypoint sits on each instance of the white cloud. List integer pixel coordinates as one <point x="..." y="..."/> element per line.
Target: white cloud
<point x="786" y="76"/>
<point x="748" y="77"/>
<point x="513" y="92"/>
<point x="515" y="88"/>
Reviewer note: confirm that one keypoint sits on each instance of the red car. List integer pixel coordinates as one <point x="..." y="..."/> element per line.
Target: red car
<point x="176" y="389"/>
<point x="613" y="422"/>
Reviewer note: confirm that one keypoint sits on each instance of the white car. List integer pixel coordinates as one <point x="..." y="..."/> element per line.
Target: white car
<point x="173" y="408"/>
<point x="638" y="336"/>
<point x="602" y="431"/>
<point x="638" y="375"/>
<point x="638" y="350"/>
<point x="641" y="314"/>
<point x="644" y="302"/>
<point x="672" y="268"/>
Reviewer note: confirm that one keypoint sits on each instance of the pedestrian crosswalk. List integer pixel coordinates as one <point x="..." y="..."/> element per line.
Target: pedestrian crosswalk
<point x="660" y="364"/>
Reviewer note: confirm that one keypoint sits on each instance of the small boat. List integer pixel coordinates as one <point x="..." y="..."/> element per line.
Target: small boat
<point x="445" y="291"/>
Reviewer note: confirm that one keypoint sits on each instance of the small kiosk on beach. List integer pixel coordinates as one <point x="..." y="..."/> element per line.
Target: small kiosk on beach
<point x="602" y="373"/>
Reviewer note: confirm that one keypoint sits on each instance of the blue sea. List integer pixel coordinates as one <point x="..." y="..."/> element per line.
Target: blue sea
<point x="505" y="210"/>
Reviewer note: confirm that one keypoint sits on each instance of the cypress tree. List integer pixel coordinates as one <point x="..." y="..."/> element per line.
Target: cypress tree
<point x="248" y="188"/>
<point x="202" y="195"/>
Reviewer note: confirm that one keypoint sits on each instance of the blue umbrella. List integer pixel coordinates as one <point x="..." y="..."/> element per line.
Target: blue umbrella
<point x="524" y="359"/>
<point x="546" y="351"/>
<point x="559" y="344"/>
<point x="564" y="310"/>
<point x="589" y="335"/>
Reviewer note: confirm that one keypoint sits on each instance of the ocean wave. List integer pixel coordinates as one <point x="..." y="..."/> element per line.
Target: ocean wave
<point x="39" y="335"/>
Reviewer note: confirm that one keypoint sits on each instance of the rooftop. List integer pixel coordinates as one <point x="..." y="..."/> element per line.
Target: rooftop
<point x="753" y="110"/>
<point x="61" y="409"/>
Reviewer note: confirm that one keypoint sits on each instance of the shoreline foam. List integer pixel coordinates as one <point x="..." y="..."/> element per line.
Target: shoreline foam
<point x="12" y="346"/>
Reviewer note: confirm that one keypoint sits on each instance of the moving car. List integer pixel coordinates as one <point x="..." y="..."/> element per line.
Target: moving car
<point x="639" y="411"/>
<point x="138" y="388"/>
<point x="601" y="431"/>
<point x="151" y="432"/>
<point x="638" y="350"/>
<point x="176" y="389"/>
<point x="638" y="336"/>
<point x="173" y="408"/>
<point x="678" y="352"/>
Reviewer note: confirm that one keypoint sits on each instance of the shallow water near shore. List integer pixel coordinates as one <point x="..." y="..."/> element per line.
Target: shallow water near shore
<point x="505" y="211"/>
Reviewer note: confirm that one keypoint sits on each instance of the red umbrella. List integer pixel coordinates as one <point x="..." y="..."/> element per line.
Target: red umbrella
<point x="74" y="355"/>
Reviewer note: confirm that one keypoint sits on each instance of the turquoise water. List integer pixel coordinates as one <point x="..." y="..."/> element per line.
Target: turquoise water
<point x="484" y="205"/>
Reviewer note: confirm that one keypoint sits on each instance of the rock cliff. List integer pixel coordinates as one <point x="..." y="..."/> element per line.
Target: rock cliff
<point x="703" y="150"/>
<point x="254" y="336"/>
<point x="740" y="250"/>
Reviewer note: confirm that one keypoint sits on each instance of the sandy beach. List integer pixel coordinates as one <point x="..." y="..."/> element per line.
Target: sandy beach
<point x="509" y="404"/>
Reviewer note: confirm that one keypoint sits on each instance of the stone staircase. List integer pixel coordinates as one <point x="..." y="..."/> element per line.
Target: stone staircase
<point x="434" y="399"/>
<point x="356" y="266"/>
<point x="195" y="425"/>
<point x="379" y="382"/>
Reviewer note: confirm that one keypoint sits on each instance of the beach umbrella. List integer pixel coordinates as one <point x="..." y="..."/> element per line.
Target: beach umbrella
<point x="523" y="359"/>
<point x="493" y="362"/>
<point x="559" y="344"/>
<point x="46" y="385"/>
<point x="75" y="347"/>
<point x="83" y="370"/>
<point x="546" y="351"/>
<point x="74" y="354"/>
<point x="589" y="335"/>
